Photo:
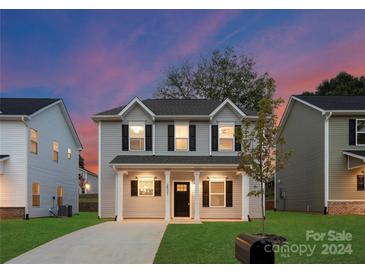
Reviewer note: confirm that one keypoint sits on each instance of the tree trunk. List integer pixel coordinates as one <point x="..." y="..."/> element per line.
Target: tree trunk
<point x="263" y="208"/>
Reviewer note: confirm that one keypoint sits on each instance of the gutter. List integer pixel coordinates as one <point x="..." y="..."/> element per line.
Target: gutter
<point x="327" y="116"/>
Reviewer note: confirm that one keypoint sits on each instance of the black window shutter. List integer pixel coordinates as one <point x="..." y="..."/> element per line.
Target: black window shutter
<point x="205" y="193"/>
<point x="229" y="192"/>
<point x="214" y="137"/>
<point x="171" y="137"/>
<point x="134" y="188"/>
<point x="237" y="144"/>
<point x="148" y="135"/>
<point x="157" y="188"/>
<point x="352" y="132"/>
<point x="192" y="137"/>
<point x="125" y="137"/>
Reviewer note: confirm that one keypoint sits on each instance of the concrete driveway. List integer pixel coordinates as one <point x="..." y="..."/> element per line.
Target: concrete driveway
<point x="129" y="242"/>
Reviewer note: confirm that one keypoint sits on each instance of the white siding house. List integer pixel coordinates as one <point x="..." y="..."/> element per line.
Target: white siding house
<point x="39" y="150"/>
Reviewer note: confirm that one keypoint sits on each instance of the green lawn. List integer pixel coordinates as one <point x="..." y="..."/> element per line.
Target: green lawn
<point x="19" y="236"/>
<point x="214" y="242"/>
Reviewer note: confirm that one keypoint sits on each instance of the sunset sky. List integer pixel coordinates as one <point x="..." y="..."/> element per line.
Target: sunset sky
<point x="100" y="59"/>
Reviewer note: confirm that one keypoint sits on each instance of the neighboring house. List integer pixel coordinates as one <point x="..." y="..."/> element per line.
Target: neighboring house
<point x="325" y="173"/>
<point x="88" y="182"/>
<point x="169" y="158"/>
<point x="39" y="159"/>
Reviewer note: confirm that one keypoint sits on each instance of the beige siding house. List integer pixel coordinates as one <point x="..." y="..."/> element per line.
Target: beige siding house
<point x="173" y="160"/>
<point x="326" y="135"/>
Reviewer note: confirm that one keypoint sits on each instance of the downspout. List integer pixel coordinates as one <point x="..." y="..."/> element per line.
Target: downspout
<point x="26" y="207"/>
<point x="326" y="160"/>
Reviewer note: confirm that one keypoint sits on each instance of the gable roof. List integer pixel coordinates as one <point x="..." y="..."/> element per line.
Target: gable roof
<point x="24" y="106"/>
<point x="334" y="103"/>
<point x="171" y="107"/>
<point x="29" y="107"/>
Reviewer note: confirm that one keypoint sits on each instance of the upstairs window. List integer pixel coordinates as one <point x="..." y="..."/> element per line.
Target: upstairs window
<point x="137" y="136"/>
<point x="182" y="137"/>
<point x="36" y="194"/>
<point x="55" y="151"/>
<point x="360" y="131"/>
<point x="69" y="153"/>
<point x="226" y="136"/>
<point x="33" y="141"/>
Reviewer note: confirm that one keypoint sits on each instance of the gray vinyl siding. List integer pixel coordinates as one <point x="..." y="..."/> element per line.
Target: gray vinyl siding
<point x="342" y="182"/>
<point x="303" y="176"/>
<point x="254" y="202"/>
<point x="136" y="113"/>
<point x="51" y="126"/>
<point x="202" y="135"/>
<point x="13" y="136"/>
<point x="111" y="146"/>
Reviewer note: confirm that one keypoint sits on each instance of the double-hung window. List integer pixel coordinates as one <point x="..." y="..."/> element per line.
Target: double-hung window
<point x="181" y="136"/>
<point x="33" y="141"/>
<point x="137" y="136"/>
<point x="217" y="192"/>
<point x="146" y="187"/>
<point x="55" y="146"/>
<point x="226" y="136"/>
<point x="69" y="153"/>
<point x="360" y="132"/>
<point x="36" y="194"/>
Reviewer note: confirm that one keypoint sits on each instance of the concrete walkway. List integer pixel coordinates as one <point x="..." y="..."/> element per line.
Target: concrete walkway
<point x="129" y="242"/>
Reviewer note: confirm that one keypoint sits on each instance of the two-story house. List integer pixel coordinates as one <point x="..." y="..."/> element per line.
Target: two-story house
<point x="325" y="173"/>
<point x="39" y="157"/>
<point x="173" y="158"/>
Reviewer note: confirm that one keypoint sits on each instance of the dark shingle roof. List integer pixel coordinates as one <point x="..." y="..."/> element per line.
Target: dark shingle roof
<point x="2" y="156"/>
<point x="23" y="106"/>
<point x="335" y="102"/>
<point x="360" y="153"/>
<point x="132" y="159"/>
<point x="177" y="107"/>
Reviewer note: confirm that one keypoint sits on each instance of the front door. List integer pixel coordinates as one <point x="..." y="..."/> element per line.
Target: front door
<point x="182" y="199"/>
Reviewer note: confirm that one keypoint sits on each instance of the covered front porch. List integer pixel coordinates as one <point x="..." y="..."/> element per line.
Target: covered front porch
<point x="179" y="193"/>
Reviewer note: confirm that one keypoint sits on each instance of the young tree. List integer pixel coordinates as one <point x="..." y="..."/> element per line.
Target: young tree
<point x="220" y="75"/>
<point x="261" y="153"/>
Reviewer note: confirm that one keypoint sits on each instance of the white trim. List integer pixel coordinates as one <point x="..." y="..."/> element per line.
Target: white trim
<point x="196" y="195"/>
<point x="189" y="202"/>
<point x="179" y="165"/>
<point x="233" y="138"/>
<point x="247" y="198"/>
<point x="188" y="138"/>
<point x="131" y="103"/>
<point x="217" y="180"/>
<point x="361" y="145"/>
<point x="326" y="159"/>
<point x="354" y="155"/>
<point x="214" y="112"/>
<point x="346" y="200"/>
<point x="27" y="181"/>
<point x="167" y="195"/>
<point x="99" y="169"/>
<point x="120" y="194"/>
<point x="150" y="178"/>
<point x="137" y="123"/>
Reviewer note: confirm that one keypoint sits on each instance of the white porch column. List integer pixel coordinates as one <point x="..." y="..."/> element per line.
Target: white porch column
<point x="196" y="196"/>
<point x="167" y="195"/>
<point x="245" y="198"/>
<point x="119" y="195"/>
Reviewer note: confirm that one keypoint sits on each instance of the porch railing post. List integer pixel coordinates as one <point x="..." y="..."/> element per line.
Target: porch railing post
<point x="196" y="196"/>
<point x="167" y="195"/>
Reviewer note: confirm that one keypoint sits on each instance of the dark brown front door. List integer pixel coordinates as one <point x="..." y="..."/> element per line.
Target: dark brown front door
<point x="181" y="199"/>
